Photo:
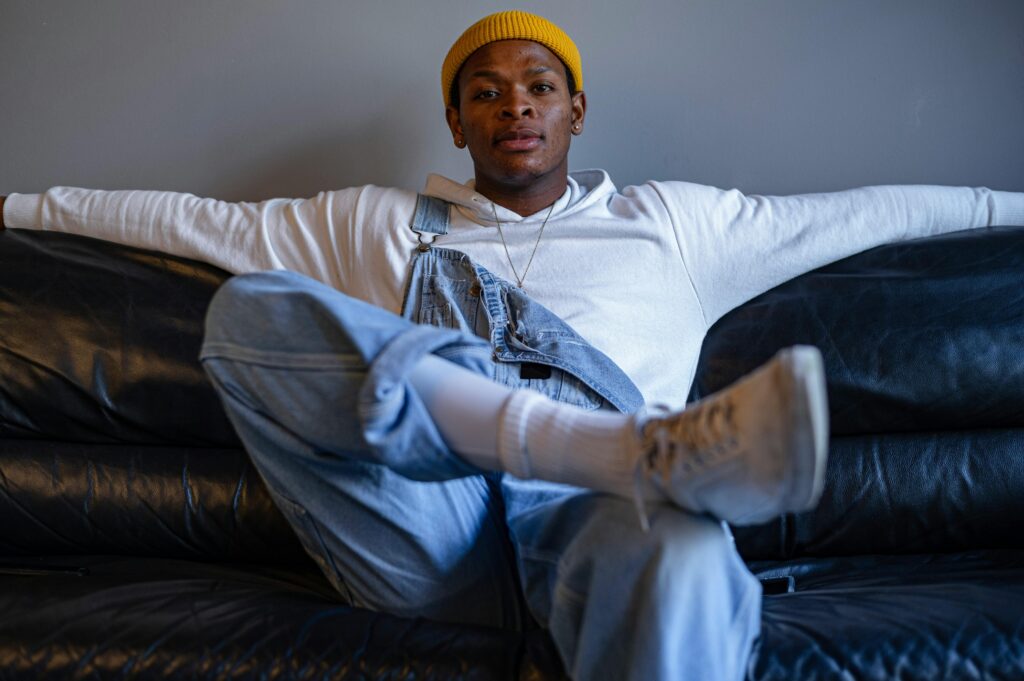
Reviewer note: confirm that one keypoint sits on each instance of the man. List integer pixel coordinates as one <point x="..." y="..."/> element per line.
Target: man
<point x="460" y="433"/>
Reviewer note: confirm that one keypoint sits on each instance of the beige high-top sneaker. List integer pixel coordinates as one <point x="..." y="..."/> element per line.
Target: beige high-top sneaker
<point x="747" y="453"/>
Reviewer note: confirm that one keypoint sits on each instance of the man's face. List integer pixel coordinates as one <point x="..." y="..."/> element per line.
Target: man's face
<point x="515" y="113"/>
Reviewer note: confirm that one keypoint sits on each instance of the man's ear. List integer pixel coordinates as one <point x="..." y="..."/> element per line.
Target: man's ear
<point x="451" y="114"/>
<point x="579" y="111"/>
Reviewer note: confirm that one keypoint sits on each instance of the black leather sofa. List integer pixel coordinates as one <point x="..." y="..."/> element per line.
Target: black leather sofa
<point x="137" y="542"/>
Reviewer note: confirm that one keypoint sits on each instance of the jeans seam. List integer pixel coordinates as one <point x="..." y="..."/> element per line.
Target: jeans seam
<point x="285" y="360"/>
<point x="311" y="527"/>
<point x="561" y="590"/>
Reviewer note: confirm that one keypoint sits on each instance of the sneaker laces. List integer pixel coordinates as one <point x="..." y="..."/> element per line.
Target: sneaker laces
<point x="647" y="454"/>
<point x="665" y="437"/>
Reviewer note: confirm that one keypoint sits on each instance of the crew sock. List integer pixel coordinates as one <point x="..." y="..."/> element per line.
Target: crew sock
<point x="544" y="439"/>
<point x="525" y="433"/>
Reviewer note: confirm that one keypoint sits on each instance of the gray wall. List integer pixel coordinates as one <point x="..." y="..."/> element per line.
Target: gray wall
<point x="250" y="99"/>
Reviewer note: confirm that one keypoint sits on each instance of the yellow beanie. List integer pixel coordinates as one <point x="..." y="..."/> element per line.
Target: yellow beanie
<point x="512" y="25"/>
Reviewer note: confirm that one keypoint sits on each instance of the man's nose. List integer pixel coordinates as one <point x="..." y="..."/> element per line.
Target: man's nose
<point x="517" y="105"/>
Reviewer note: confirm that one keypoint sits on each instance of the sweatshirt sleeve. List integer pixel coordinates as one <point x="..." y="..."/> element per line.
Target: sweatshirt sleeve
<point x="303" y="235"/>
<point x="736" y="247"/>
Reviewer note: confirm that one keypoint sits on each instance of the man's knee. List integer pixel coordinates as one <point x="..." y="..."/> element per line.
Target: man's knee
<point x="255" y="302"/>
<point x="690" y="550"/>
<point x="678" y="595"/>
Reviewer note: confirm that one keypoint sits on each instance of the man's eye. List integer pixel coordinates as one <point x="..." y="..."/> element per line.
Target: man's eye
<point x="543" y="87"/>
<point x="486" y="94"/>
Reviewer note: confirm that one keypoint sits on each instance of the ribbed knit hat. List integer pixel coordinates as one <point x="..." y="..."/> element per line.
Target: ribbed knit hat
<point x="511" y="25"/>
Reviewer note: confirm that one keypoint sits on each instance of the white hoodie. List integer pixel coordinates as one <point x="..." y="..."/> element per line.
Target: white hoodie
<point x="641" y="273"/>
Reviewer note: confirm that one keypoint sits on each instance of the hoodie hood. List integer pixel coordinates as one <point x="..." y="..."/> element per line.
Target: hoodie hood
<point x="584" y="188"/>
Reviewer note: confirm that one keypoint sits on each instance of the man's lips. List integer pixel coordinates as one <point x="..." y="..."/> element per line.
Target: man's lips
<point x="520" y="139"/>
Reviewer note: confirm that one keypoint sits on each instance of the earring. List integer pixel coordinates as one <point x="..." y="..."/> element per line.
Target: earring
<point x="575" y="127"/>
<point x="459" y="142"/>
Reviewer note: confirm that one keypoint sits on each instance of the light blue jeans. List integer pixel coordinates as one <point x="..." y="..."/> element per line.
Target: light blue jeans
<point x="315" y="383"/>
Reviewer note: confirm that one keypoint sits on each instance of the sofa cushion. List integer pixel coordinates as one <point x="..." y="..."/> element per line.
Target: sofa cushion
<point x="956" y="617"/>
<point x="131" y="618"/>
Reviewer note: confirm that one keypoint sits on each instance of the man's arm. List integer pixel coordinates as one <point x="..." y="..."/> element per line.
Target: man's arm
<point x="735" y="247"/>
<point x="300" y="235"/>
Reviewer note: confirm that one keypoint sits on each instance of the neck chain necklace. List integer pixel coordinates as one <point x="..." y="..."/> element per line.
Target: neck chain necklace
<point x="520" y="280"/>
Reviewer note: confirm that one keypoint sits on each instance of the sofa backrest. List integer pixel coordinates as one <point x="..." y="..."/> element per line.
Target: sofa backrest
<point x="919" y="336"/>
<point x="923" y="344"/>
<point x="99" y="344"/>
<point x="111" y="439"/>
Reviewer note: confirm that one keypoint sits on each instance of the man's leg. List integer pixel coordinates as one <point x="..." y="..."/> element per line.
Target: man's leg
<point x="317" y="385"/>
<point x="675" y="602"/>
<point x="746" y="454"/>
<point x="291" y="358"/>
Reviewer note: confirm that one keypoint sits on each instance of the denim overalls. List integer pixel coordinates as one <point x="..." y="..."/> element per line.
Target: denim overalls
<point x="532" y="347"/>
<point x="314" y="382"/>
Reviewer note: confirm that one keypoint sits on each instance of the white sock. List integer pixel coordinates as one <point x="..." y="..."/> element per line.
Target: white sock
<point x="525" y="433"/>
<point x="544" y="439"/>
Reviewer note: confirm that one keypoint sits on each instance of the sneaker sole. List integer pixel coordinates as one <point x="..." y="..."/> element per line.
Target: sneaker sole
<point x="810" y="402"/>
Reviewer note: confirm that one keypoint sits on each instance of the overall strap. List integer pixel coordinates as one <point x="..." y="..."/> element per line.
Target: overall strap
<point x="431" y="215"/>
<point x="430" y="218"/>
